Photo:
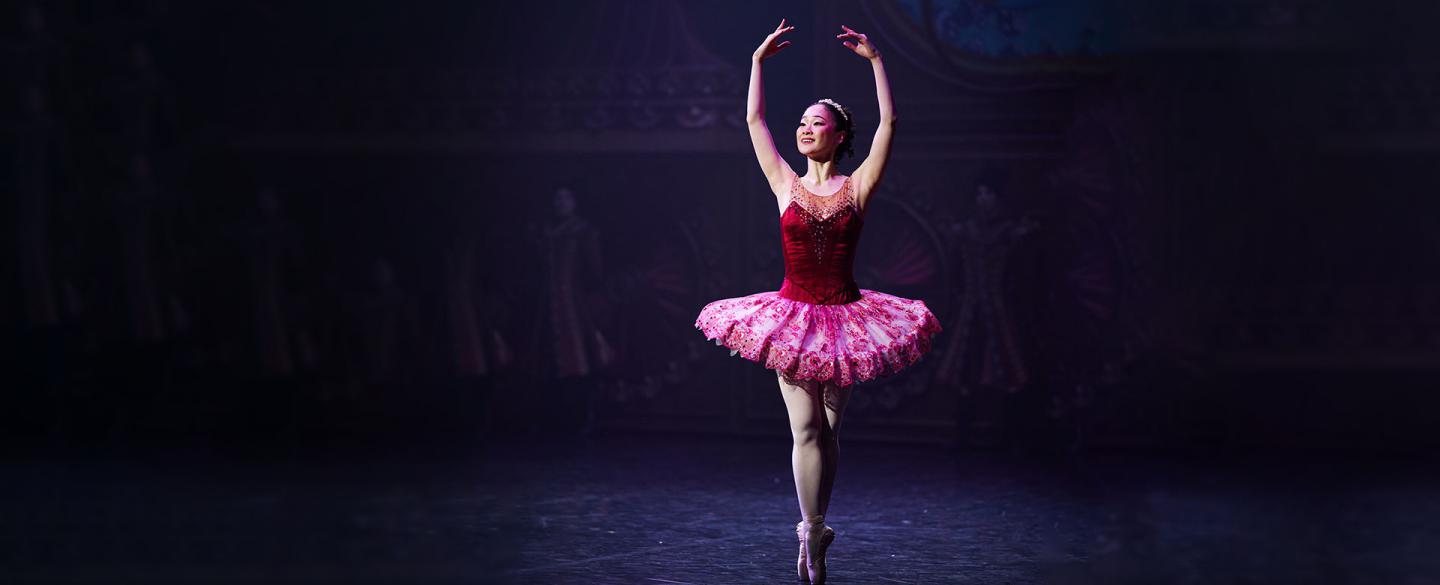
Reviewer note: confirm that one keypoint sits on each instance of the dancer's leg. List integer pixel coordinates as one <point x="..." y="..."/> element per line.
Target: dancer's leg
<point x="836" y="397"/>
<point x="807" y="421"/>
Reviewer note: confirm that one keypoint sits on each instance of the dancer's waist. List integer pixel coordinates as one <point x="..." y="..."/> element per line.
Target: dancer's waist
<point x="831" y="291"/>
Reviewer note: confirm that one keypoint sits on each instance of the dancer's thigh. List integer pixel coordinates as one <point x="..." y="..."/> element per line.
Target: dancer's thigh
<point x="804" y="405"/>
<point x="836" y="397"/>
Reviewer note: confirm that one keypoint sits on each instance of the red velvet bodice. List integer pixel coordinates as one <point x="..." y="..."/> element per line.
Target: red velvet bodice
<point x="819" y="236"/>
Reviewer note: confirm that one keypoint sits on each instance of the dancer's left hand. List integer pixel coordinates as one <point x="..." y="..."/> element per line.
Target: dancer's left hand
<point x="858" y="43"/>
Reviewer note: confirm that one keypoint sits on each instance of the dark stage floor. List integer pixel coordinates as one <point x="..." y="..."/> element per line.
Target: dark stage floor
<point x="649" y="509"/>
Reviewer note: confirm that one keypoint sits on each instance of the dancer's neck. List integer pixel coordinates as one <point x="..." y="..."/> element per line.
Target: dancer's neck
<point x="820" y="172"/>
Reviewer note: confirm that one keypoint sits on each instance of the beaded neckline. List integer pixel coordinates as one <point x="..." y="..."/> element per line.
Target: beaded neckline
<point x="824" y="216"/>
<point x="821" y="207"/>
<point x="843" y="185"/>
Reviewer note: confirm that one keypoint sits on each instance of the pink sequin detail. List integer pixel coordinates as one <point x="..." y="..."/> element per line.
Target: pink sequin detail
<point x="878" y="335"/>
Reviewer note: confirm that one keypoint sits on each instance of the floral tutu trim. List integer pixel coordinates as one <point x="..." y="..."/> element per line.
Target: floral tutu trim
<point x="878" y="335"/>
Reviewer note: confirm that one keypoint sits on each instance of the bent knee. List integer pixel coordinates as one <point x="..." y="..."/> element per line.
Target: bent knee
<point x="812" y="435"/>
<point x="805" y="436"/>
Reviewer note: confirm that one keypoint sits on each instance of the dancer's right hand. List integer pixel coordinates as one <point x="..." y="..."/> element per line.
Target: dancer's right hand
<point x="770" y="47"/>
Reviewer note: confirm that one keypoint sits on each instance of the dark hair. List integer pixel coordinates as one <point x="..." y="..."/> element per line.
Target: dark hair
<point x="846" y="123"/>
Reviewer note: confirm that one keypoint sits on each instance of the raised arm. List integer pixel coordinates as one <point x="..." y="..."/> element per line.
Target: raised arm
<point x="868" y="174"/>
<point x="777" y="173"/>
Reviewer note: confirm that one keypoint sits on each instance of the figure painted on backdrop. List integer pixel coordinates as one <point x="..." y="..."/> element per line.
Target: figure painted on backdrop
<point x="821" y="332"/>
<point x="568" y="346"/>
<point x="275" y="248"/>
<point x="985" y="347"/>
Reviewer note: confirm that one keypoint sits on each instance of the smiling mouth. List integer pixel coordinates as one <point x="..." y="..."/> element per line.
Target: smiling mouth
<point x="807" y="140"/>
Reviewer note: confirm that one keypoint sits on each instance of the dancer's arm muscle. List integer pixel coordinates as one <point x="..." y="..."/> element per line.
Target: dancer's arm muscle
<point x="776" y="172"/>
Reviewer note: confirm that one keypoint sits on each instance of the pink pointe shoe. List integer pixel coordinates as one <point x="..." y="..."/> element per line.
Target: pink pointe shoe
<point x="815" y="536"/>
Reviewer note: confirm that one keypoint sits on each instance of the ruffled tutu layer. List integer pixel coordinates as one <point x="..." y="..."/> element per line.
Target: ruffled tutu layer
<point x="878" y="335"/>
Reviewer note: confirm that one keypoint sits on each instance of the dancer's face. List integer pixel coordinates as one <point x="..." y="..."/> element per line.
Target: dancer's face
<point x="818" y="135"/>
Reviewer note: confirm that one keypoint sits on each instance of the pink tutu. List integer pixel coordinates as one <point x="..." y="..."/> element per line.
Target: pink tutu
<point x="843" y="344"/>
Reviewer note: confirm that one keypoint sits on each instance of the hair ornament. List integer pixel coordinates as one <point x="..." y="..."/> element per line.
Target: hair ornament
<point x="836" y="105"/>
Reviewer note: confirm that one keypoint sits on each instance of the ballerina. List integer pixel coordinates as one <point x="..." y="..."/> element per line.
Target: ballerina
<point x="820" y="332"/>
